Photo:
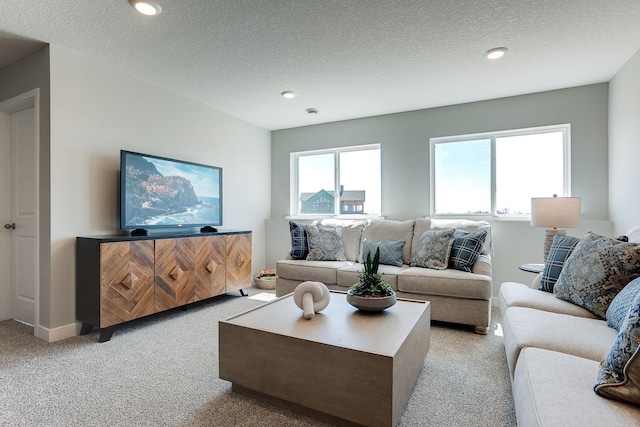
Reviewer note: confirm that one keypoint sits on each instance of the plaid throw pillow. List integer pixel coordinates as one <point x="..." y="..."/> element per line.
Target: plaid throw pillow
<point x="561" y="248"/>
<point x="466" y="248"/>
<point x="299" y="245"/>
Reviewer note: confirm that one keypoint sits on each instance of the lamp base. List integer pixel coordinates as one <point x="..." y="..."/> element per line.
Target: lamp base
<point x="548" y="239"/>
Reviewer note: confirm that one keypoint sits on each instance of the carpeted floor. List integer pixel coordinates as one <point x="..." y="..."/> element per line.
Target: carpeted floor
<point x="162" y="371"/>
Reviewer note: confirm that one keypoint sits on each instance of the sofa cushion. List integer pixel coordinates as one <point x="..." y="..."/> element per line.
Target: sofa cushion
<point x="561" y="248"/>
<point x="386" y="230"/>
<point x="467" y="225"/>
<point x="514" y="294"/>
<point x="451" y="283"/>
<point x="555" y="389"/>
<point x="351" y="231"/>
<point x="619" y="373"/>
<point x="299" y="245"/>
<point x="315" y="271"/>
<point x="579" y="336"/>
<point x="348" y="276"/>
<point x="621" y="304"/>
<point x="390" y="251"/>
<point x="596" y="271"/>
<point x="325" y="244"/>
<point x="434" y="249"/>
<point x="465" y="249"/>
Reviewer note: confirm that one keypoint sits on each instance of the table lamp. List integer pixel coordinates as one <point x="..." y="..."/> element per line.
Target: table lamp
<point x="553" y="213"/>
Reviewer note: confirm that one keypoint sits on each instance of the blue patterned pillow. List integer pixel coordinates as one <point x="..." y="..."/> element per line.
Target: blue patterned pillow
<point x="390" y="251"/>
<point x="465" y="249"/>
<point x="617" y="311"/>
<point x="561" y="248"/>
<point x="325" y="244"/>
<point x="596" y="271"/>
<point x="619" y="373"/>
<point x="299" y="245"/>
<point x="434" y="248"/>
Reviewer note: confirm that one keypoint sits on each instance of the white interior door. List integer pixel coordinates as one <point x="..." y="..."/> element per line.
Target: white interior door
<point x="24" y="179"/>
<point x="5" y="216"/>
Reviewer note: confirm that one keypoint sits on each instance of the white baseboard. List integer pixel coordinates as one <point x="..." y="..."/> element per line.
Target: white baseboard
<point x="59" y="333"/>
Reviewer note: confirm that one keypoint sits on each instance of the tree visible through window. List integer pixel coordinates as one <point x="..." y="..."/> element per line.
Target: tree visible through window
<point x="343" y="181"/>
<point x="498" y="173"/>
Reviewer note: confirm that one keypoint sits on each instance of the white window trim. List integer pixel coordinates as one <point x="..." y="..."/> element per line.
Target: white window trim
<point x="564" y="128"/>
<point x="293" y="182"/>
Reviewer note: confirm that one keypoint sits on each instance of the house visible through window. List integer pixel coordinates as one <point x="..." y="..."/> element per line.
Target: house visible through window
<point x="498" y="173"/>
<point x="342" y="181"/>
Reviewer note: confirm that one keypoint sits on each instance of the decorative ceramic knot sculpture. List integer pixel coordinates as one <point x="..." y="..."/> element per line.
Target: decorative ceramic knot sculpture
<point x="311" y="297"/>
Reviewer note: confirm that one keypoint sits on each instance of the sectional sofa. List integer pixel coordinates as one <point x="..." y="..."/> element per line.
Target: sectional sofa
<point x="456" y="296"/>
<point x="555" y="347"/>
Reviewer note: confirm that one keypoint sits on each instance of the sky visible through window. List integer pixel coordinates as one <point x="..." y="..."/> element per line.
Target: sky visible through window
<point x="526" y="166"/>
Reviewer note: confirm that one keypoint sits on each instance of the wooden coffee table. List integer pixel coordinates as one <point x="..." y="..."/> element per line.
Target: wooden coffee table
<point x="344" y="366"/>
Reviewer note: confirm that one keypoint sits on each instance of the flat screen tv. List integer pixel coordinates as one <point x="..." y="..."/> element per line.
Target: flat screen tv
<point x="157" y="192"/>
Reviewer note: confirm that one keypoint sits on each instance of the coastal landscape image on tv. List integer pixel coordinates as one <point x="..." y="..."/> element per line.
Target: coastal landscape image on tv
<point x="162" y="192"/>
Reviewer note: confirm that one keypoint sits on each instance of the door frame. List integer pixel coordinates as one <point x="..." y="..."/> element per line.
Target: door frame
<point x="13" y="105"/>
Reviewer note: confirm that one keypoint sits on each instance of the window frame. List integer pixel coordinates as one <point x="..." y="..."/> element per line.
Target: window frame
<point x="294" y="194"/>
<point x="564" y="128"/>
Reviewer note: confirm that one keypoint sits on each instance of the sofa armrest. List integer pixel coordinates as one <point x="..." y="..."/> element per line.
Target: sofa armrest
<point x="535" y="284"/>
<point x="482" y="265"/>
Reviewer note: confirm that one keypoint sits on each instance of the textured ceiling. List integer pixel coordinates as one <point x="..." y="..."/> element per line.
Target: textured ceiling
<point x="348" y="59"/>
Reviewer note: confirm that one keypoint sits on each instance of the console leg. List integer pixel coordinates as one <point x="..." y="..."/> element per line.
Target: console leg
<point x="105" y="334"/>
<point x="242" y="293"/>
<point x="86" y="328"/>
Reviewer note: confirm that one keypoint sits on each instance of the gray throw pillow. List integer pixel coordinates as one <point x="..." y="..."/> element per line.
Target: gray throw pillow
<point x="434" y="249"/>
<point x="390" y="251"/>
<point x="596" y="271"/>
<point x="325" y="244"/>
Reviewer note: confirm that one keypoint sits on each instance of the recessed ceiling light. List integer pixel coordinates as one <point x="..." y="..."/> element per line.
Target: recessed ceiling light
<point x="495" y="53"/>
<point x="312" y="110"/>
<point x="146" y="7"/>
<point x="289" y="94"/>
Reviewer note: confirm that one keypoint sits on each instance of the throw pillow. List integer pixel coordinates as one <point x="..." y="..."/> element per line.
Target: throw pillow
<point x="617" y="311"/>
<point x="390" y="251"/>
<point x="434" y="249"/>
<point x="325" y="244"/>
<point x="299" y="245"/>
<point x="619" y="373"/>
<point x="596" y="271"/>
<point x="561" y="248"/>
<point x="465" y="249"/>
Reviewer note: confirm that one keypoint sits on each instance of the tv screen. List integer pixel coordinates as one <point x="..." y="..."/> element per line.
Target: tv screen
<point x="160" y="192"/>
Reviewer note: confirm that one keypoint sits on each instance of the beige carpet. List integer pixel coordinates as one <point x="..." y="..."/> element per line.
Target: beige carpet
<point x="162" y="371"/>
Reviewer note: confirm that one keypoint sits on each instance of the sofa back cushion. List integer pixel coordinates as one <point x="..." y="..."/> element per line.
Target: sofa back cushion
<point x="391" y="230"/>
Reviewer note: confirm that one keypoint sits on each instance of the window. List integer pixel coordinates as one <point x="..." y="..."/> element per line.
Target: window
<point x="353" y="174"/>
<point x="498" y="173"/>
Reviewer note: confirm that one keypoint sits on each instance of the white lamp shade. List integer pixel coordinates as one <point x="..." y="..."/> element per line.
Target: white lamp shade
<point x="555" y="212"/>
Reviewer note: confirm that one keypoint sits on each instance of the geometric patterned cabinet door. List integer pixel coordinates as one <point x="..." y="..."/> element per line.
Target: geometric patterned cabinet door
<point x="210" y="268"/>
<point x="238" y="261"/>
<point x="126" y="281"/>
<point x="175" y="272"/>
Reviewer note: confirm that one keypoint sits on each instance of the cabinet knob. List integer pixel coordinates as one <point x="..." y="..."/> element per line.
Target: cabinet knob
<point x="176" y="273"/>
<point x="11" y="226"/>
<point x="210" y="267"/>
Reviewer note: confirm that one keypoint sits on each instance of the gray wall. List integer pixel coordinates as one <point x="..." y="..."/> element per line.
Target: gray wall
<point x="20" y="77"/>
<point x="404" y="140"/>
<point x="96" y="111"/>
<point x="624" y="146"/>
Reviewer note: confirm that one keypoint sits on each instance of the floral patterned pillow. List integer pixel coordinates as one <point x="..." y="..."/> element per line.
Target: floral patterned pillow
<point x="325" y="244"/>
<point x="434" y="249"/>
<point x="596" y="271"/>
<point x="619" y="373"/>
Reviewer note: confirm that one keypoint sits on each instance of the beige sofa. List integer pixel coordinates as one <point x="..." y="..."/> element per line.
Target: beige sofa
<point x="553" y="350"/>
<point x="456" y="296"/>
